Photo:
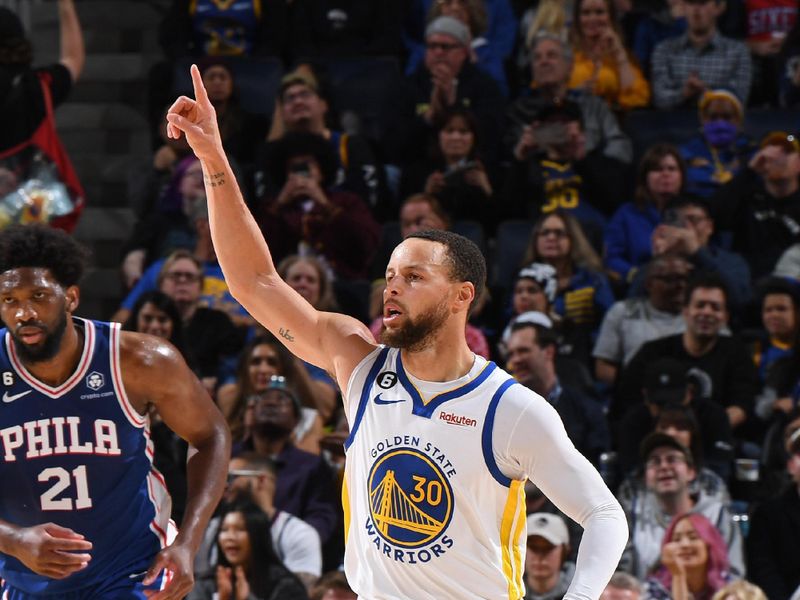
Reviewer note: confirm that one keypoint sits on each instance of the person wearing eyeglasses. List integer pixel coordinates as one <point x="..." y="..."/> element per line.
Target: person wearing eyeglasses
<point x="761" y="205"/>
<point x="212" y="339"/>
<point x="669" y="469"/>
<point x="687" y="229"/>
<point x="252" y="477"/>
<point x="446" y="79"/>
<point x="632" y="322"/>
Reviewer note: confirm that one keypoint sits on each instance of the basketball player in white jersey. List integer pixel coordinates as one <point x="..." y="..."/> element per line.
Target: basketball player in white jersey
<point x="441" y="440"/>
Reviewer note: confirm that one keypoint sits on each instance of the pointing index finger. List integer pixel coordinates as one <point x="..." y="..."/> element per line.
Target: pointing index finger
<point x="199" y="88"/>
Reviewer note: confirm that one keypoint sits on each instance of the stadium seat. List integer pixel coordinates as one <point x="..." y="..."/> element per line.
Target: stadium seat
<point x="361" y="85"/>
<point x="257" y="81"/>
<point x="512" y="239"/>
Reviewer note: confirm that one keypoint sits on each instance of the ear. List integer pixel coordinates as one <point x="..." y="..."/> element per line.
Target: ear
<point x="72" y="296"/>
<point x="324" y="106"/>
<point x="466" y="295"/>
<point x="550" y="351"/>
<point x="721" y="8"/>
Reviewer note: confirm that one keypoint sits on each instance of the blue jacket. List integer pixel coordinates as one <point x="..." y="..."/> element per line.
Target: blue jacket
<point x="627" y="238"/>
<point x="703" y="175"/>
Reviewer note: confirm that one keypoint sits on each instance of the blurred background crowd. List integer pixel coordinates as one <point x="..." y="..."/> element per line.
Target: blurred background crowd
<point x="631" y="170"/>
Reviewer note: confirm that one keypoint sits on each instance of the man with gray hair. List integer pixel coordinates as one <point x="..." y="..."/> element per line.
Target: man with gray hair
<point x="551" y="65"/>
<point x="447" y="79"/>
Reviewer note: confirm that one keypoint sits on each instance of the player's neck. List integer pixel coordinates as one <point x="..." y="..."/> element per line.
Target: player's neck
<point x="58" y="369"/>
<point x="445" y="359"/>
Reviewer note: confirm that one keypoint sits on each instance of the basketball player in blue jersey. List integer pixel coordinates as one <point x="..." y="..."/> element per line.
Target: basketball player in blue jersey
<point x="441" y="441"/>
<point x="83" y="513"/>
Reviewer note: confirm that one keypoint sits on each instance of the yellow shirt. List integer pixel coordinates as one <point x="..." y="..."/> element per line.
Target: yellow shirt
<point x="607" y="84"/>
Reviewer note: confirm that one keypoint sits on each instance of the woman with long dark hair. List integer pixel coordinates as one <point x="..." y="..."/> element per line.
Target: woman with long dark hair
<point x="661" y="177"/>
<point x="453" y="171"/>
<point x="263" y="358"/>
<point x="247" y="567"/>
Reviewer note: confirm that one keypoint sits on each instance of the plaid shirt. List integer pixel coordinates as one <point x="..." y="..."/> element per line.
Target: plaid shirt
<point x="722" y="63"/>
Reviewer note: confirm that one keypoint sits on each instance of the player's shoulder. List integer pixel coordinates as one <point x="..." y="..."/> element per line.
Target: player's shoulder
<point x="513" y="394"/>
<point x="143" y="351"/>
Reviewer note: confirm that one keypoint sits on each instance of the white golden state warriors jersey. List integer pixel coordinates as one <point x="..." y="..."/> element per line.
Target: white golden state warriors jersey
<point x="428" y="514"/>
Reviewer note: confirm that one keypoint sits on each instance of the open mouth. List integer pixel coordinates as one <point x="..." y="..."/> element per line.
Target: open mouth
<point x="391" y="313"/>
<point x="30" y="335"/>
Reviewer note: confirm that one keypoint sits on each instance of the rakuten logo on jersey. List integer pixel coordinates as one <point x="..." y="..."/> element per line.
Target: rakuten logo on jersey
<point x="454" y="419"/>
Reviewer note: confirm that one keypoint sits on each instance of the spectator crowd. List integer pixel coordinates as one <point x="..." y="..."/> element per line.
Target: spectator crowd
<point x="631" y="171"/>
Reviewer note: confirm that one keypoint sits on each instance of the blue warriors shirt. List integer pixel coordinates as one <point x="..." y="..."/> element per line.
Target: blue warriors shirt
<point x="80" y="456"/>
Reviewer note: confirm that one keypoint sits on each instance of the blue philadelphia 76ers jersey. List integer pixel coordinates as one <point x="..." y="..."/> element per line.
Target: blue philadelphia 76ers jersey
<point x="80" y="456"/>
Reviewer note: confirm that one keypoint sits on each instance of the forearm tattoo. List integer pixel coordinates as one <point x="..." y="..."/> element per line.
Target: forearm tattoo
<point x="215" y="179"/>
<point x="286" y="335"/>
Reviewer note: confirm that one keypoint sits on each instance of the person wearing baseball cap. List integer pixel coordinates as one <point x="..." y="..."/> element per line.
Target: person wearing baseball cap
<point x="761" y="205"/>
<point x="547" y="572"/>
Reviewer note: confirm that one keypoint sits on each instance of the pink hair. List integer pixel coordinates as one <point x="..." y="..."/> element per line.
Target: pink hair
<point x="718" y="564"/>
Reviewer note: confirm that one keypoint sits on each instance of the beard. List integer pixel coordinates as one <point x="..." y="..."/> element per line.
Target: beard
<point x="46" y="349"/>
<point x="416" y="334"/>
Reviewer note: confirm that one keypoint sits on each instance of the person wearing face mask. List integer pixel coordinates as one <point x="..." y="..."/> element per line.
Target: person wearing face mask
<point x="720" y="150"/>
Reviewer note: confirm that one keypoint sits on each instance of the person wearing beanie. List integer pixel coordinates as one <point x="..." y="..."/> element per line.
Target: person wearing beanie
<point x="304" y="484"/>
<point x="446" y="79"/>
<point x="720" y="149"/>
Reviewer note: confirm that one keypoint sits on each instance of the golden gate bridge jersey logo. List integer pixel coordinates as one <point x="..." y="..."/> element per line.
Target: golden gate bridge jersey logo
<point x="410" y="499"/>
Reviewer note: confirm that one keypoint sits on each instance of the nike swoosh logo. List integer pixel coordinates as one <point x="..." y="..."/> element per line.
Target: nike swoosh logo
<point x="379" y="400"/>
<point x="7" y="398"/>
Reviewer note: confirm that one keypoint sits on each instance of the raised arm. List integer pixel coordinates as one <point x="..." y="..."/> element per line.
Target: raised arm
<point x="336" y="343"/>
<point x="73" y="54"/>
<point x="148" y="363"/>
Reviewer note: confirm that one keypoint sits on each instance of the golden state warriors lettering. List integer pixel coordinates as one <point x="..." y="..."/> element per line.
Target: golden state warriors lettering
<point x="410" y="500"/>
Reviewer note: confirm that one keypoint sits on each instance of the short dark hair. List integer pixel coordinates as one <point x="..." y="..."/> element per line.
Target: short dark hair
<point x="706" y="280"/>
<point x="687" y="201"/>
<point x="778" y="285"/>
<point x="544" y="336"/>
<point x="258" y="462"/>
<point x="296" y="143"/>
<point x="43" y="247"/>
<point x="466" y="260"/>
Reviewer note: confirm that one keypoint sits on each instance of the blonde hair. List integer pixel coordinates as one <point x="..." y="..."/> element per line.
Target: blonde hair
<point x="550" y="18"/>
<point x="741" y="590"/>
<point x="175" y="257"/>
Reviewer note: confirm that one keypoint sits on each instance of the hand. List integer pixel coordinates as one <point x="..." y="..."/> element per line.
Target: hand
<point x="478" y="178"/>
<point x="178" y="560"/>
<point x="164" y="158"/>
<point x="769" y="158"/>
<point x="783" y="404"/>
<point x="444" y="84"/>
<point x="613" y="44"/>
<point x="53" y="551"/>
<point x="224" y="585"/>
<point x="693" y="86"/>
<point x="242" y="586"/>
<point x="133" y="267"/>
<point x="681" y="240"/>
<point x="736" y="416"/>
<point x="526" y="144"/>
<point x="197" y="119"/>
<point x="767" y="47"/>
<point x="670" y="558"/>
<point x="435" y="183"/>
